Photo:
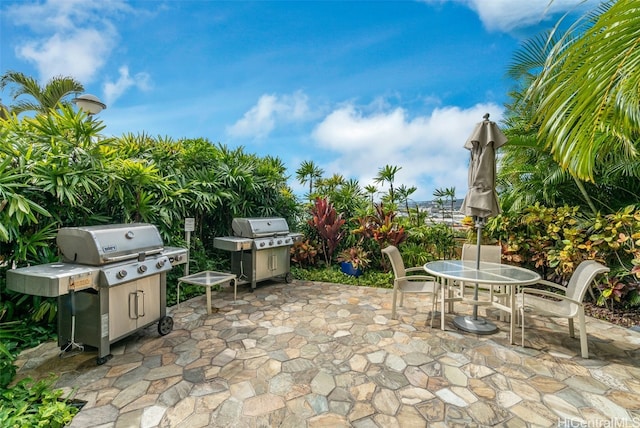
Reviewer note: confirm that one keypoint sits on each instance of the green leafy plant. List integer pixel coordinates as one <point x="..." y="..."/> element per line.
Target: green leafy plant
<point x="35" y="404"/>
<point x="370" y="278"/>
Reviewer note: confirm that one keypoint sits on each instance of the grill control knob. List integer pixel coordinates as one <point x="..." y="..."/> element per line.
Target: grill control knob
<point x="262" y="244"/>
<point x="121" y="274"/>
<point x="279" y="241"/>
<point x="178" y="257"/>
<point x="142" y="269"/>
<point x="270" y="243"/>
<point x="160" y="263"/>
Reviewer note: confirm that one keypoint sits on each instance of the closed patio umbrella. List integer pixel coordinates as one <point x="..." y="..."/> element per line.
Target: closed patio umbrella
<point x="481" y="201"/>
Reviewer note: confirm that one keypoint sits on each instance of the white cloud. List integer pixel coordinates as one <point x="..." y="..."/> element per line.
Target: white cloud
<point x="70" y="37"/>
<point x="508" y="15"/>
<point x="113" y="90"/>
<point x="79" y="54"/>
<point x="270" y="110"/>
<point x="429" y="149"/>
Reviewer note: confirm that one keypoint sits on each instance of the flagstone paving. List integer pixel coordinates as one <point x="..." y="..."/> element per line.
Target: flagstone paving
<point x="327" y="355"/>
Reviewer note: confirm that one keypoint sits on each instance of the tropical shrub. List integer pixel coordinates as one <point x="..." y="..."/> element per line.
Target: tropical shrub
<point x="304" y="253"/>
<point x="554" y="241"/>
<point x="381" y="227"/>
<point x="328" y="225"/>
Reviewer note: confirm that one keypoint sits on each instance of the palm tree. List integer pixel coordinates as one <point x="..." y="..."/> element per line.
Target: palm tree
<point x="388" y="174"/>
<point x="42" y="98"/>
<point x="440" y="195"/>
<point x="586" y="97"/>
<point x="371" y="191"/>
<point x="308" y="173"/>
<point x="403" y="194"/>
<point x="330" y="184"/>
<point x="4" y="111"/>
<point x="528" y="171"/>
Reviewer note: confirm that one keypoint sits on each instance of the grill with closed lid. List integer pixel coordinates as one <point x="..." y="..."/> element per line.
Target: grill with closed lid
<point x="259" y="248"/>
<point x="110" y="282"/>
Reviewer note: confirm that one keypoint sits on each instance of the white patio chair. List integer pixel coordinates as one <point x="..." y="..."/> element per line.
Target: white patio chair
<point x="566" y="305"/>
<point x="488" y="253"/>
<point x="406" y="281"/>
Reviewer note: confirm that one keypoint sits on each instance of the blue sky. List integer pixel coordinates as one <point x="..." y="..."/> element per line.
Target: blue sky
<point x="350" y="85"/>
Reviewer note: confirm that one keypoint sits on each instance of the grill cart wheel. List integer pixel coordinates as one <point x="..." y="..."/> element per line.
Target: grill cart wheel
<point x="101" y="360"/>
<point x="165" y="325"/>
<point x="288" y="278"/>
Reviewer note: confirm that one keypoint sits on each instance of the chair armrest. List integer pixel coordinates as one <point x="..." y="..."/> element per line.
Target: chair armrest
<point x="548" y="294"/>
<point x="417" y="278"/>
<point x="415" y="269"/>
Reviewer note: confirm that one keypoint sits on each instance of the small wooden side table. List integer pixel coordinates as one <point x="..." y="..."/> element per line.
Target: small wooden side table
<point x="208" y="279"/>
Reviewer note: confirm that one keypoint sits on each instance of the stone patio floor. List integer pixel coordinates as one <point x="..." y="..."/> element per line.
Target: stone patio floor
<point x="328" y="355"/>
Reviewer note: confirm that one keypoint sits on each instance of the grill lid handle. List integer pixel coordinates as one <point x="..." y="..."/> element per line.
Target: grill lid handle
<point x="139" y="256"/>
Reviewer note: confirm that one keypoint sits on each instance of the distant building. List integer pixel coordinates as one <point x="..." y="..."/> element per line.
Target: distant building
<point x="441" y="213"/>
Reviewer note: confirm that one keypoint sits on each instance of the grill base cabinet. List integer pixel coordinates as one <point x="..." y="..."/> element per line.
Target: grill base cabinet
<point x="256" y="266"/>
<point x="103" y="317"/>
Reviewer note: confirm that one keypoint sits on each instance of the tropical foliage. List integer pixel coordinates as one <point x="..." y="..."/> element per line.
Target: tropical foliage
<point x="553" y="241"/>
<point x="569" y="180"/>
<point x="585" y="99"/>
<point x="30" y="96"/>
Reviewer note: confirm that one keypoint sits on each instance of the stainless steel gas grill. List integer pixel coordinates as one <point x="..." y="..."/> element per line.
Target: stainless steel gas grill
<point x="259" y="248"/>
<point x="110" y="283"/>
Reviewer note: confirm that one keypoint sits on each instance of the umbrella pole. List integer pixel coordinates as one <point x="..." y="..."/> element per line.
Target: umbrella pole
<point x="473" y="324"/>
<point x="478" y="243"/>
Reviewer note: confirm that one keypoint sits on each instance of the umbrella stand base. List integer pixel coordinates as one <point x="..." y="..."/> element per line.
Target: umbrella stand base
<point x="477" y="325"/>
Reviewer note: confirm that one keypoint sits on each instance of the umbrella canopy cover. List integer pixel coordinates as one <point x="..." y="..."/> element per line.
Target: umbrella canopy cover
<point x="482" y="199"/>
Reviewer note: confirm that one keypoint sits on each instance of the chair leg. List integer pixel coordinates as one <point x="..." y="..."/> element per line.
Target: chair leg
<point x="522" y="323"/>
<point x="434" y="305"/>
<point x="572" y="331"/>
<point x="584" y="345"/>
<point x="393" y="304"/>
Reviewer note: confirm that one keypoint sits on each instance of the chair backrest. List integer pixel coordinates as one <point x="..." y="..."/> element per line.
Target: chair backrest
<point x="488" y="253"/>
<point x="582" y="277"/>
<point x="396" y="261"/>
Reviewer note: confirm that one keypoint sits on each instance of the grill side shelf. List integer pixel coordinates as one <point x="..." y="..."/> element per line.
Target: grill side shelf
<point x="52" y="279"/>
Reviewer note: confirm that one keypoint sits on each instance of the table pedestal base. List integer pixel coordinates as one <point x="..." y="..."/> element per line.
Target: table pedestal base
<point x="477" y="325"/>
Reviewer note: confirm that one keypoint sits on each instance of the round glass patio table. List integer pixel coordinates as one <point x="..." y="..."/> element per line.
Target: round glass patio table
<point x="486" y="273"/>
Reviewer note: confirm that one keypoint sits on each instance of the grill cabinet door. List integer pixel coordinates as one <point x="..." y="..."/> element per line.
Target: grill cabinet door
<point x="133" y="305"/>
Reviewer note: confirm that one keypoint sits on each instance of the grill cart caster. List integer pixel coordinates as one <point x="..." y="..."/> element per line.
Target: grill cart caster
<point x="101" y="360"/>
<point x="165" y="325"/>
<point x="288" y="278"/>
